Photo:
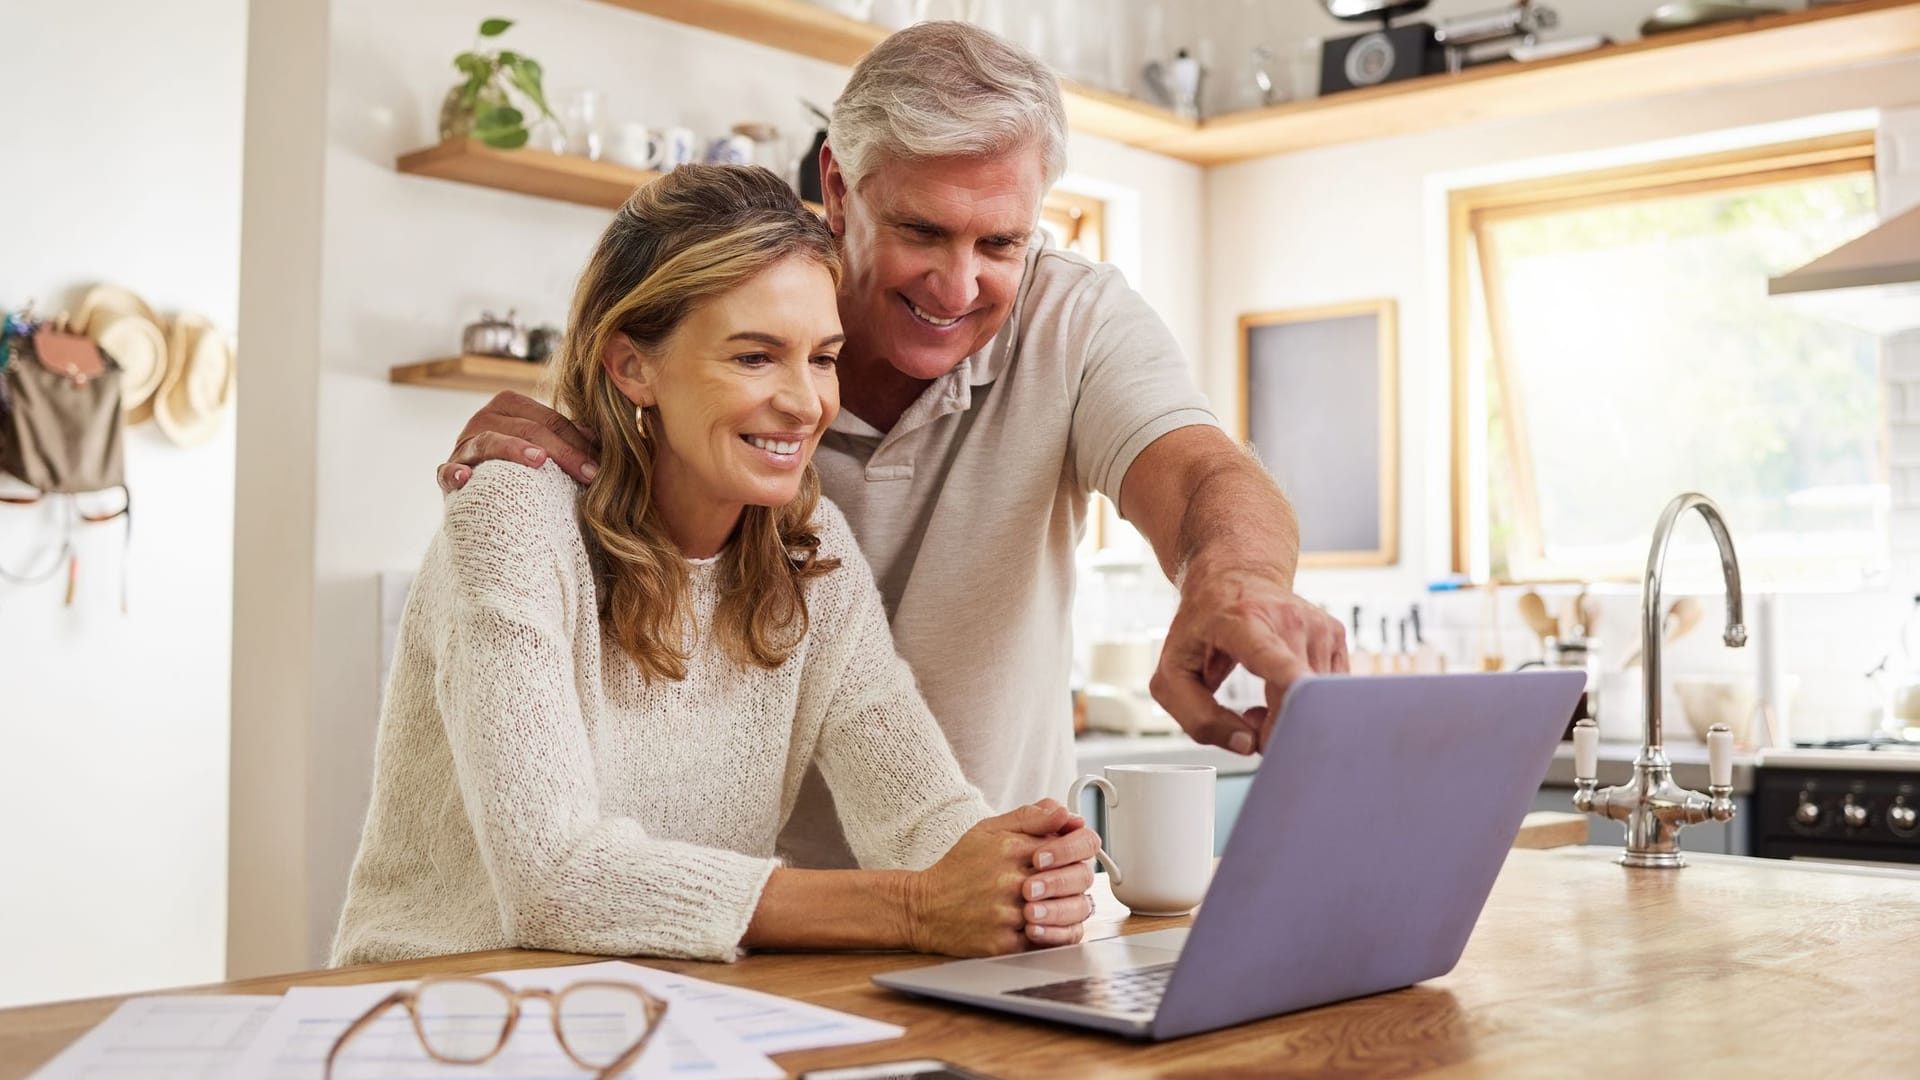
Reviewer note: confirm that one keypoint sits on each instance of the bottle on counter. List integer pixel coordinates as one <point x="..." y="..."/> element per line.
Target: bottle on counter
<point x="1360" y="660"/>
<point x="1901" y="720"/>
<point x="1427" y="660"/>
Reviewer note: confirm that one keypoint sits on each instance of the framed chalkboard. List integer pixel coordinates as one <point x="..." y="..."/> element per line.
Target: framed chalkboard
<point x="1320" y="405"/>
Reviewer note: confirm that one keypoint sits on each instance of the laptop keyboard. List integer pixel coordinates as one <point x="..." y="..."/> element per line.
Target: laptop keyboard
<point x="1137" y="990"/>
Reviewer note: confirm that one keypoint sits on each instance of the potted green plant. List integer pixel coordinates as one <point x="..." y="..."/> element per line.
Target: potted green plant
<point x="480" y="106"/>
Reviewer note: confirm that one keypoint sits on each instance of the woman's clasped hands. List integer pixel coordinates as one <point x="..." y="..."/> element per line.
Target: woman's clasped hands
<point x="1015" y="881"/>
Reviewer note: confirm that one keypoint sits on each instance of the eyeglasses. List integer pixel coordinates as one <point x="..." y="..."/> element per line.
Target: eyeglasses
<point x="602" y="1026"/>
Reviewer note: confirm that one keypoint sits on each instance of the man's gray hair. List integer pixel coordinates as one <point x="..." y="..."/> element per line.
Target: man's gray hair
<point x="941" y="89"/>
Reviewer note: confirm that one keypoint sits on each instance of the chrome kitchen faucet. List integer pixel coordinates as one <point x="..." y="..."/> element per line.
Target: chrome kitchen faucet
<point x="1653" y="807"/>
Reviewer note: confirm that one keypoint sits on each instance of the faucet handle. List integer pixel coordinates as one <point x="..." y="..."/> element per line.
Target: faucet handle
<point x="1586" y="751"/>
<point x="1719" y="756"/>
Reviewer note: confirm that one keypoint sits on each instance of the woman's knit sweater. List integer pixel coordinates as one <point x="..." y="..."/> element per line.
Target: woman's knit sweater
<point x="531" y="789"/>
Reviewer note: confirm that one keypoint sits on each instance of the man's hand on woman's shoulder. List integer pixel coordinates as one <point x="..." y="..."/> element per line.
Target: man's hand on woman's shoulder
<point x="514" y="427"/>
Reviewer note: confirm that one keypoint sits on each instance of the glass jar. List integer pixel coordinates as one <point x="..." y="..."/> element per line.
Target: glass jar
<point x="586" y="125"/>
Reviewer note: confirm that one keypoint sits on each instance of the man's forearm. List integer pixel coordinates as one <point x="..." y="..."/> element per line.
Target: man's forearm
<point x="1237" y="519"/>
<point x="1200" y="499"/>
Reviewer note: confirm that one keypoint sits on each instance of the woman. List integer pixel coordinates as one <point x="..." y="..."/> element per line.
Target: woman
<point x="603" y="702"/>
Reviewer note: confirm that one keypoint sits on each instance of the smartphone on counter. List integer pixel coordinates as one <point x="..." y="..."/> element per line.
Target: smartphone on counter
<point x="920" y="1069"/>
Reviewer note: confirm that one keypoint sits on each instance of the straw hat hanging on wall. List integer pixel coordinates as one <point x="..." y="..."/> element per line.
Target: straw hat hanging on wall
<point x="199" y="382"/>
<point x="126" y="329"/>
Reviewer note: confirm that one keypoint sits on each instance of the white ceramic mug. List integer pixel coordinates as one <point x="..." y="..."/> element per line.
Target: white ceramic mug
<point x="639" y="148"/>
<point x="730" y="150"/>
<point x="682" y="147"/>
<point x="1159" y="846"/>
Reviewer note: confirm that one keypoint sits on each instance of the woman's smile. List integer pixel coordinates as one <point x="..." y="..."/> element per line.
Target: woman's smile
<point x="782" y="450"/>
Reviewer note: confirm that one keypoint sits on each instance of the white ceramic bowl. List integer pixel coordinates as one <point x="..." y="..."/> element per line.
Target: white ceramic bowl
<point x="1718" y="700"/>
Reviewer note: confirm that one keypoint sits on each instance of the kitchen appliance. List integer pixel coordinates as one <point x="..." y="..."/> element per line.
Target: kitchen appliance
<point x="1687" y="14"/>
<point x="1899" y="675"/>
<point x="1117" y="699"/>
<point x="769" y="150"/>
<point x="492" y="336"/>
<point x="1574" y="654"/>
<point x="1478" y="38"/>
<point x="1262" y="62"/>
<point x="1872" y="282"/>
<point x="1852" y="802"/>
<point x="1379" y="56"/>
<point x="542" y="342"/>
<point x="1383" y="10"/>
<point x="805" y="174"/>
<point x="1177" y="83"/>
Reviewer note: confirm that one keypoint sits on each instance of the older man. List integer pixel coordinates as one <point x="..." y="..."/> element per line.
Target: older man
<point x="987" y="385"/>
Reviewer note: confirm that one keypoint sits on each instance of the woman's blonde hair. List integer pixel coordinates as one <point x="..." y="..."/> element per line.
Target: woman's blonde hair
<point x="680" y="241"/>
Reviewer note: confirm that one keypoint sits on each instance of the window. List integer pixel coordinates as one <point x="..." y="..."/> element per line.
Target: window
<point x="1077" y="223"/>
<point x="1614" y="346"/>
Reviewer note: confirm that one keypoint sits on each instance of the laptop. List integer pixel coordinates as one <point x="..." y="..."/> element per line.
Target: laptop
<point x="1380" y="815"/>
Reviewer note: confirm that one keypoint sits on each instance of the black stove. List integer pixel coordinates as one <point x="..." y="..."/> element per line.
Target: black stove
<point x="1856" y="800"/>
<point x="1878" y="741"/>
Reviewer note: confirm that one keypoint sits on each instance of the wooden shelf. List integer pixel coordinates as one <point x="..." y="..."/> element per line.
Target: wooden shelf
<point x="529" y="172"/>
<point x="1725" y="54"/>
<point x="532" y="172"/>
<point x="811" y="30"/>
<point x="486" y="374"/>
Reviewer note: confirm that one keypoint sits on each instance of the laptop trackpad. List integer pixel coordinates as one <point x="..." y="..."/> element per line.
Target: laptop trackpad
<point x="1093" y="958"/>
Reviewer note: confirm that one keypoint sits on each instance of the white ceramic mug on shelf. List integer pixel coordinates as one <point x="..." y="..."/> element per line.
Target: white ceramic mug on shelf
<point x="682" y="148"/>
<point x="730" y="150"/>
<point x="638" y="147"/>
<point x="1159" y="846"/>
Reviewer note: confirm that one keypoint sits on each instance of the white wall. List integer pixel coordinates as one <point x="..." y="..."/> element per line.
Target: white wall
<point x="407" y="261"/>
<point x="113" y="731"/>
<point x="1367" y="220"/>
<point x="1154" y="226"/>
<point x="275" y="640"/>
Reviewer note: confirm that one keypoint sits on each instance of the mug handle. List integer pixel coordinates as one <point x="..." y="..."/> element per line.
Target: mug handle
<point x="1113" y="800"/>
<point x="656" y="150"/>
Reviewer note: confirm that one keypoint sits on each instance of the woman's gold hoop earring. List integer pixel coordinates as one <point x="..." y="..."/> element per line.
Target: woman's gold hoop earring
<point x="640" y="421"/>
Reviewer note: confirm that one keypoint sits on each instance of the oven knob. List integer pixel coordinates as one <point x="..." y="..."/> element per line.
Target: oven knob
<point x="1808" y="812"/>
<point x="1901" y="818"/>
<point x="1854" y="814"/>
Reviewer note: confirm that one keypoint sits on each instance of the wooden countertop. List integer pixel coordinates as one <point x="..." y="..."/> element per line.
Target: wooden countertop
<point x="1730" y="967"/>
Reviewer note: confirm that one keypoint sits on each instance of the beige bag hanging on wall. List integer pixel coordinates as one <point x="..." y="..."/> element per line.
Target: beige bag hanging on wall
<point x="61" y="429"/>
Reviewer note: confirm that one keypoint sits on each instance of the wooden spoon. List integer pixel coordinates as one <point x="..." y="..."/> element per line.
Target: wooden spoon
<point x="1683" y="616"/>
<point x="1573" y="617"/>
<point x="1590" y="614"/>
<point x="1534" y="610"/>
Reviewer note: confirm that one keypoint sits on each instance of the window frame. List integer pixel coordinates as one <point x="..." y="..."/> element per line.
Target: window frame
<point x="1082" y="219"/>
<point x="1471" y="210"/>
